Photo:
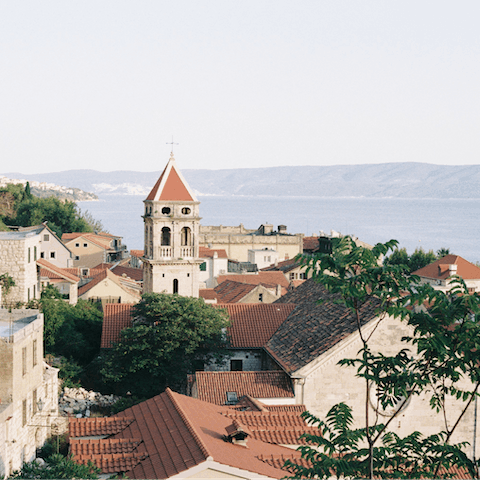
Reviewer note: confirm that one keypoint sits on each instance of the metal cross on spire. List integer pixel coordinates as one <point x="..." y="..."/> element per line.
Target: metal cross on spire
<point x="172" y="144"/>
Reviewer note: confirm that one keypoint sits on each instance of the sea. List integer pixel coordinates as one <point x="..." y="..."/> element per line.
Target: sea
<point x="430" y="224"/>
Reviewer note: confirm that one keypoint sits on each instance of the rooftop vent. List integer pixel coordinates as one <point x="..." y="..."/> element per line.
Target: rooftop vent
<point x="237" y="433"/>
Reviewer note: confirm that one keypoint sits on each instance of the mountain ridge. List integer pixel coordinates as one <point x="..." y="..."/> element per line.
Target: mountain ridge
<point x="385" y="180"/>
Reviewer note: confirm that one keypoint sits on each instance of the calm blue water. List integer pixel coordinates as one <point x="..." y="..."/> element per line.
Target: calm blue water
<point x="431" y="224"/>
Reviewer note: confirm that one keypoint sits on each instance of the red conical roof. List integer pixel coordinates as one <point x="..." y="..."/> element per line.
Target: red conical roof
<point x="171" y="186"/>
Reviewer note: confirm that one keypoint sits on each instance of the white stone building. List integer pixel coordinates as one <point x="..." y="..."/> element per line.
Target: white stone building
<point x="28" y="389"/>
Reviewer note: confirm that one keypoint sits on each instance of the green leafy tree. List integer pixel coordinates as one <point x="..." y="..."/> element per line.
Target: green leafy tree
<point x="73" y="331"/>
<point x="171" y="335"/>
<point x="441" y="252"/>
<point x="57" y="466"/>
<point x="28" y="193"/>
<point x="420" y="259"/>
<point x="6" y="283"/>
<point x="417" y="260"/>
<point x="439" y="360"/>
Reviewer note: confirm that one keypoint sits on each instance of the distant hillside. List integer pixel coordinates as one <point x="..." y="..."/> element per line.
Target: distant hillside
<point x="411" y="180"/>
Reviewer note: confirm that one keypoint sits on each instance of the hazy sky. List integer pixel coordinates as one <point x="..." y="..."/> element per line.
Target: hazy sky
<point x="105" y="84"/>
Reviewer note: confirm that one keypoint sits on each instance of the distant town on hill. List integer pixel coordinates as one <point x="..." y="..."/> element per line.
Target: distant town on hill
<point x="408" y="180"/>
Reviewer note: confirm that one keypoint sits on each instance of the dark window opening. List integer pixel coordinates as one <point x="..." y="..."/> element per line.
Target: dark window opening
<point x="236" y="365"/>
<point x="166" y="210"/>
<point x="232" y="398"/>
<point x="165" y="236"/>
<point x="186" y="210"/>
<point x="175" y="285"/>
<point x="186" y="237"/>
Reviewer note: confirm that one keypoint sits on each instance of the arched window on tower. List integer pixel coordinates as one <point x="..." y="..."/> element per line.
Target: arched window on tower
<point x="165" y="236"/>
<point x="186" y="237"/>
<point x="175" y="285"/>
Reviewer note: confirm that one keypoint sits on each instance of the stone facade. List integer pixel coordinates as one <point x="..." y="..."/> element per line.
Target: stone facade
<point x="19" y="251"/>
<point x="28" y="389"/>
<point x="171" y="254"/>
<point x="237" y="241"/>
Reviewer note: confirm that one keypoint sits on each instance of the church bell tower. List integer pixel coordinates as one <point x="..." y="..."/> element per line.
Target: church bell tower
<point x="171" y="219"/>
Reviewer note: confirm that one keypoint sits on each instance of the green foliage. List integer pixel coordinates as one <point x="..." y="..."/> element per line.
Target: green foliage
<point x="28" y="193"/>
<point x="169" y="337"/>
<point x="61" y="216"/>
<point x="70" y="373"/>
<point x="417" y="260"/>
<point x="55" y="444"/>
<point x="73" y="331"/>
<point x="6" y="282"/>
<point x="126" y="402"/>
<point x="57" y="466"/>
<point x="434" y="361"/>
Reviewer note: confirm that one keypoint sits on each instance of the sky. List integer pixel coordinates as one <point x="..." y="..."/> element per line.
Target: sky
<point x="105" y="85"/>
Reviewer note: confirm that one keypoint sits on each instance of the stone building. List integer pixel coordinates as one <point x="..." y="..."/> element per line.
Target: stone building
<point x="237" y="241"/>
<point x="19" y="251"/>
<point x="28" y="389"/>
<point x="171" y="257"/>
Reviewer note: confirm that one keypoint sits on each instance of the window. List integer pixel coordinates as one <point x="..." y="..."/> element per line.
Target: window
<point x="260" y="297"/>
<point x="28" y="294"/>
<point x="34" y="254"/>
<point x="232" y="398"/>
<point x="42" y="254"/>
<point x="24" y="413"/>
<point x="165" y="236"/>
<point x="34" y="401"/>
<point x="46" y="237"/>
<point x="188" y="274"/>
<point x="28" y="254"/>
<point x="186" y="210"/>
<point x="236" y="365"/>
<point x="77" y="245"/>
<point x="85" y="245"/>
<point x="76" y="257"/>
<point x="24" y="360"/>
<point x="203" y="267"/>
<point x="186" y="236"/>
<point x="175" y="285"/>
<point x="34" y="354"/>
<point x="292" y="276"/>
<point x="34" y="291"/>
<point x="166" y="210"/>
<point x="52" y="254"/>
<point x="302" y="276"/>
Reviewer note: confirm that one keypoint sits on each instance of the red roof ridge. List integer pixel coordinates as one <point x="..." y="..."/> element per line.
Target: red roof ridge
<point x="191" y="428"/>
<point x="58" y="270"/>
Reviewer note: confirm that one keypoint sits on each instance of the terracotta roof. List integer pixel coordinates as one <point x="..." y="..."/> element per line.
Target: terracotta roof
<point x="312" y="328"/>
<point x="252" y="324"/>
<point x="112" y="463"/>
<point x="51" y="271"/>
<point x="310" y="244"/>
<point x="265" y="278"/>
<point x="103" y="266"/>
<point x="250" y="404"/>
<point x="107" y="274"/>
<point x="116" y="317"/>
<point x="102" y="240"/>
<point x="205" y="252"/>
<point x="81" y="446"/>
<point x="180" y="432"/>
<point x="207" y="294"/>
<point x="137" y="253"/>
<point x="171" y="186"/>
<point x="87" y="427"/>
<point x="284" y="266"/>
<point x="283" y="428"/>
<point x="134" y="273"/>
<point x="440" y="269"/>
<point x="213" y="386"/>
<point x="230" y="291"/>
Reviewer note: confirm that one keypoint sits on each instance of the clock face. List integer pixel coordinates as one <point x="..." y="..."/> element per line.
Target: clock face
<point x="395" y="404"/>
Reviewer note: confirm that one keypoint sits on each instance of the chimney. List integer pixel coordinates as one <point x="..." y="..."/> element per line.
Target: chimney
<point x="237" y="433"/>
<point x="278" y="291"/>
<point x="452" y="269"/>
<point x="282" y="229"/>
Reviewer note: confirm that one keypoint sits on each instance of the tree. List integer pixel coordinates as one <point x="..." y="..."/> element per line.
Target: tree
<point x="6" y="283"/>
<point x="171" y="336"/>
<point x="418" y="259"/>
<point x="439" y="360"/>
<point x="56" y="466"/>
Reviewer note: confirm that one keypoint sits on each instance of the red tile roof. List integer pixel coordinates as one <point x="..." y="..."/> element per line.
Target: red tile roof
<point x="180" y="432"/>
<point x="207" y="294"/>
<point x="213" y="386"/>
<point x="171" y="186"/>
<point x="107" y="274"/>
<point x="134" y="273"/>
<point x="137" y="253"/>
<point x="80" y="446"/>
<point x="51" y="271"/>
<point x="252" y="324"/>
<point x="205" y="252"/>
<point x="87" y="427"/>
<point x="112" y="463"/>
<point x="116" y="317"/>
<point x="440" y="269"/>
<point x="310" y="244"/>
<point x="284" y="266"/>
<point x="230" y="291"/>
<point x="265" y="278"/>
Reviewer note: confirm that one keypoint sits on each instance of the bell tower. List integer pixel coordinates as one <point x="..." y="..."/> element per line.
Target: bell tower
<point x="172" y="222"/>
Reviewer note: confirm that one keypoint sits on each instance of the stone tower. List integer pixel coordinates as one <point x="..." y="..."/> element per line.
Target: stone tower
<point x="171" y="263"/>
